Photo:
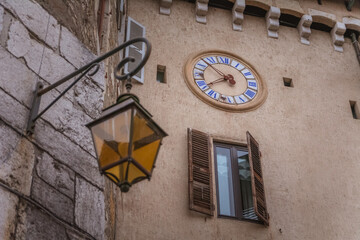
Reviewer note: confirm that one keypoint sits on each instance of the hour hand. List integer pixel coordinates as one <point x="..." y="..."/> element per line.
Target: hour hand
<point x="231" y="79"/>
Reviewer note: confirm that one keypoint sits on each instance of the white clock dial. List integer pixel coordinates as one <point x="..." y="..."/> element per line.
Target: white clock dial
<point x="225" y="81"/>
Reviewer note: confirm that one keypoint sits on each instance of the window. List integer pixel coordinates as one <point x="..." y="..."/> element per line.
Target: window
<point x="354" y="110"/>
<point x="238" y="174"/>
<point x="136" y="50"/>
<point x="161" y="74"/>
<point x="288" y="82"/>
<point x="233" y="182"/>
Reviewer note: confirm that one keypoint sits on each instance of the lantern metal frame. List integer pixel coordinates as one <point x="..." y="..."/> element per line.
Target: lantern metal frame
<point x="89" y="69"/>
<point x="124" y="103"/>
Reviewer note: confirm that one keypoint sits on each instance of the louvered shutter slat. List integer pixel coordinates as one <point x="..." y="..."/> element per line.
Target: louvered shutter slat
<point x="257" y="180"/>
<point x="200" y="183"/>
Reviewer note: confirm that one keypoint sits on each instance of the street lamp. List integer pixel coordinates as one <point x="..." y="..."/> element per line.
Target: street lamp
<point x="126" y="141"/>
<point x="125" y="137"/>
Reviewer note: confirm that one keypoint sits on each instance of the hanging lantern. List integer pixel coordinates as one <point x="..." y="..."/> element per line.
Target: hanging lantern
<point x="127" y="142"/>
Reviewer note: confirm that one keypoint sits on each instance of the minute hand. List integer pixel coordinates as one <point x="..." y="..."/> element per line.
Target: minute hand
<point x="215" y="81"/>
<point x="216" y="70"/>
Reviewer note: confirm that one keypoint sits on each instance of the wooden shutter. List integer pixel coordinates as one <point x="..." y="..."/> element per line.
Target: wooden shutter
<point x="257" y="182"/>
<point x="200" y="181"/>
<point x="137" y="50"/>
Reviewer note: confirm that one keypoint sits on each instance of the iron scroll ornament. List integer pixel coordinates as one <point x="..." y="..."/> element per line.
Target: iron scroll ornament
<point x="89" y="69"/>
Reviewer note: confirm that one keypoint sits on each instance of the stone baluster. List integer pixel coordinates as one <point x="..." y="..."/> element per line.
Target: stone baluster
<point x="337" y="35"/>
<point x="238" y="14"/>
<point x="272" y="21"/>
<point x="165" y="6"/>
<point x="304" y="29"/>
<point x="201" y="10"/>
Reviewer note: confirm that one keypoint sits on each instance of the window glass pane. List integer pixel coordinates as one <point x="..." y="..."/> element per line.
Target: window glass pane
<point x="245" y="185"/>
<point x="225" y="184"/>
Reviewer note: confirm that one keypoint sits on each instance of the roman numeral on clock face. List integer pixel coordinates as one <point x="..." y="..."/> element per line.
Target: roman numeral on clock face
<point x="198" y="74"/>
<point x="252" y="84"/>
<point x="211" y="60"/>
<point x="240" y="99"/>
<point x="237" y="65"/>
<point x="247" y="74"/>
<point x="224" y="60"/>
<point x="250" y="93"/>
<point x="202" y="84"/>
<point x="213" y="94"/>
<point x="201" y="65"/>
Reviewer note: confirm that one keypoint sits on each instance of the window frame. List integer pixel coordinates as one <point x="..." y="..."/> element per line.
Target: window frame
<point x="235" y="178"/>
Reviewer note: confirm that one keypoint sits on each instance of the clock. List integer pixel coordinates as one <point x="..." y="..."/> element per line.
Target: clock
<point x="225" y="81"/>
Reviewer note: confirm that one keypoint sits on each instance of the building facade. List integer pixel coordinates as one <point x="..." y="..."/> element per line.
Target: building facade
<point x="271" y="153"/>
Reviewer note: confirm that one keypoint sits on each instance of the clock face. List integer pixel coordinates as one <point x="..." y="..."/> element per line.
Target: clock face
<point x="224" y="81"/>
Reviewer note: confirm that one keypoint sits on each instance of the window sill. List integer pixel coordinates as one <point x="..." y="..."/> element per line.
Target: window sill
<point x="241" y="219"/>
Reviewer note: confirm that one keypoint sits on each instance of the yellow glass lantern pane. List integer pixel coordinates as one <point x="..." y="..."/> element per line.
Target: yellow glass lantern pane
<point x="146" y="155"/>
<point x="145" y="142"/>
<point x="107" y="154"/>
<point x="112" y="137"/>
<point x="118" y="172"/>
<point x="141" y="128"/>
<point x="134" y="173"/>
<point x="113" y="174"/>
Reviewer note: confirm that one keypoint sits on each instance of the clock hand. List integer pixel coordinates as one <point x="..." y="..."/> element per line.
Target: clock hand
<point x="216" y="70"/>
<point x="217" y="80"/>
<point x="231" y="79"/>
<point x="228" y="77"/>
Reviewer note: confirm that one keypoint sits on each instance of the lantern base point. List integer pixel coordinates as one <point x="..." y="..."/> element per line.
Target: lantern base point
<point x="125" y="187"/>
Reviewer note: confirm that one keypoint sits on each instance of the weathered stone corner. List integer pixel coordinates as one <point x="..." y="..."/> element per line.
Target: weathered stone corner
<point x="56" y="174"/>
<point x="18" y="157"/>
<point x="54" y="170"/>
<point x="36" y="19"/>
<point x="1" y="18"/>
<point x="7" y="213"/>
<point x="89" y="208"/>
<point x="53" y="200"/>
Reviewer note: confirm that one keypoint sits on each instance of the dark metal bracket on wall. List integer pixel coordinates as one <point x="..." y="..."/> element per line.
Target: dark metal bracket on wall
<point x="89" y="69"/>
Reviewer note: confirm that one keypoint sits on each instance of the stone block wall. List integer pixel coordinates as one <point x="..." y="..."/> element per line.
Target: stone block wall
<point x="79" y="16"/>
<point x="50" y="186"/>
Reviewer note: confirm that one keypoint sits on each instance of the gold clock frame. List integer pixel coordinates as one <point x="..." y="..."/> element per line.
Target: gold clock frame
<point x="248" y="106"/>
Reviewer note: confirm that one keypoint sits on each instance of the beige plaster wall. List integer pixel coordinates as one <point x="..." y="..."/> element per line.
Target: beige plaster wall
<point x="308" y="137"/>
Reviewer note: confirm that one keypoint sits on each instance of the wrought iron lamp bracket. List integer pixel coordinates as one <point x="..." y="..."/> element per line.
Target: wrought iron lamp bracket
<point x="89" y="69"/>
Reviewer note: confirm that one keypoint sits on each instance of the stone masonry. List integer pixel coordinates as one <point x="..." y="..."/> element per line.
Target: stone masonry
<point x="50" y="186"/>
